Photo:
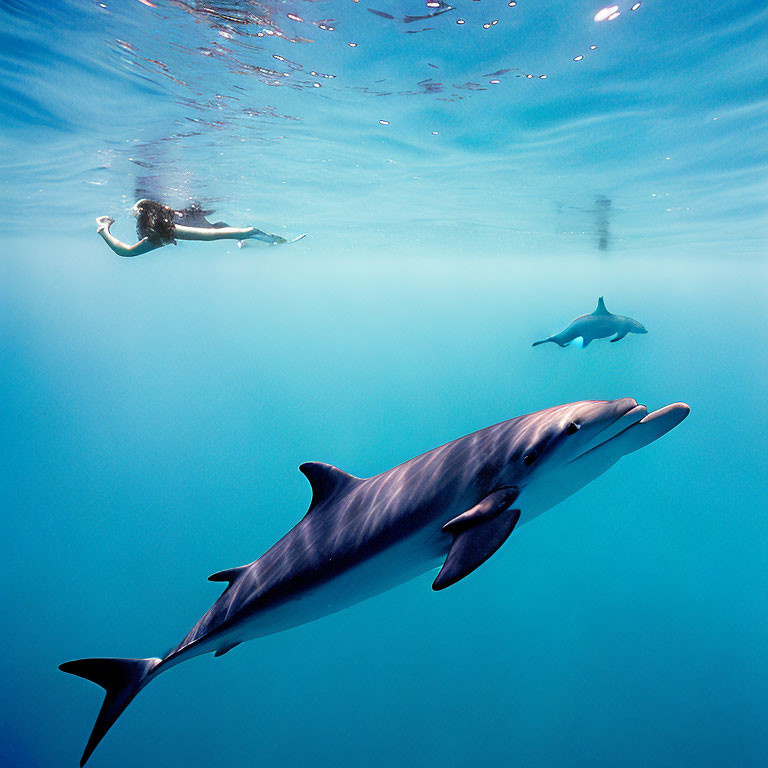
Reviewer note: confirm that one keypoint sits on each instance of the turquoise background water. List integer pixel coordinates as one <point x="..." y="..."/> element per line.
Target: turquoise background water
<point x="155" y="409"/>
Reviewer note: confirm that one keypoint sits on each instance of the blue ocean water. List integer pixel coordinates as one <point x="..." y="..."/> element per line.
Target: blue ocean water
<point x="467" y="188"/>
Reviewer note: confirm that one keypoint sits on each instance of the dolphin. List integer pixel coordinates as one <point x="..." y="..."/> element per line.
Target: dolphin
<point x="453" y="507"/>
<point x="597" y="325"/>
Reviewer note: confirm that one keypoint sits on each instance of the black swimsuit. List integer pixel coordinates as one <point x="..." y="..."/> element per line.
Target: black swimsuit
<point x="195" y="216"/>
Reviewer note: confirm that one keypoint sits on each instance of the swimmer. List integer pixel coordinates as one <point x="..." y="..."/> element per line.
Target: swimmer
<point x="158" y="225"/>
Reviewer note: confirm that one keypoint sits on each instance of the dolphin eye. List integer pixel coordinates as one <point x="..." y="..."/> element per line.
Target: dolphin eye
<point x="572" y="428"/>
<point x="529" y="458"/>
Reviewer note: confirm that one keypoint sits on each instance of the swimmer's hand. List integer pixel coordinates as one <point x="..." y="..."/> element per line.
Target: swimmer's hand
<point x="103" y="223"/>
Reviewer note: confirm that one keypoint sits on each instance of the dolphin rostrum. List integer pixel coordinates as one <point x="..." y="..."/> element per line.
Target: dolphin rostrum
<point x="456" y="504"/>
<point x="597" y="325"/>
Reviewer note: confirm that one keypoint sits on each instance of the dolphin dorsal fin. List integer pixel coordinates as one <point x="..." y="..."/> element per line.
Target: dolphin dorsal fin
<point x="230" y="574"/>
<point x="326" y="481"/>
<point x="600" y="308"/>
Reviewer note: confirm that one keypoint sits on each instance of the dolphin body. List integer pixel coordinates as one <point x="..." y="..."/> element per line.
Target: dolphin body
<point x="597" y="325"/>
<point x="456" y="504"/>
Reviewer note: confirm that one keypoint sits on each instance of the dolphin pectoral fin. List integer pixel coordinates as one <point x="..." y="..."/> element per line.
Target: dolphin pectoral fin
<point x="471" y="548"/>
<point x="619" y="336"/>
<point x="586" y="341"/>
<point x="477" y="534"/>
<point x="225" y="649"/>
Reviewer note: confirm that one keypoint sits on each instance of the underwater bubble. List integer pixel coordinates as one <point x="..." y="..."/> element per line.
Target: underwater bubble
<point x="635" y="6"/>
<point x="614" y="16"/>
<point x="578" y="58"/>
<point x="460" y="21"/>
<point x="352" y="45"/>
<point x="383" y="122"/>
<point x="512" y="4"/>
<point x="605" y="13"/>
<point x="592" y="47"/>
<point x="495" y="82"/>
<point x="294" y="17"/>
<point x="542" y="77"/>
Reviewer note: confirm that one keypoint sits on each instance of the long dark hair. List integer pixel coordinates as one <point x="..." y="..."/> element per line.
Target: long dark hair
<point x="155" y="222"/>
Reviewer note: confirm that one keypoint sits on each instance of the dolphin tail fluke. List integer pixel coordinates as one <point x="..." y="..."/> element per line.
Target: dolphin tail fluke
<point x="553" y="339"/>
<point x="122" y="679"/>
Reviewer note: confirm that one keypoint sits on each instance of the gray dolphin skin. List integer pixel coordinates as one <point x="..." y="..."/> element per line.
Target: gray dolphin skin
<point x="597" y="325"/>
<point x="454" y="505"/>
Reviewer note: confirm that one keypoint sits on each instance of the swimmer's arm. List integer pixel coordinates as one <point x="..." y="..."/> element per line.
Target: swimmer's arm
<point x="224" y="233"/>
<point x="121" y="249"/>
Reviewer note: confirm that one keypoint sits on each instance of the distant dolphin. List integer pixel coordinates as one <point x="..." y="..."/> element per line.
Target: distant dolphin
<point x="598" y="325"/>
<point x="457" y="504"/>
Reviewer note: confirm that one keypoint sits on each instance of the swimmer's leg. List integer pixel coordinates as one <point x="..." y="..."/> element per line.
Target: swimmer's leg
<point x="264" y="237"/>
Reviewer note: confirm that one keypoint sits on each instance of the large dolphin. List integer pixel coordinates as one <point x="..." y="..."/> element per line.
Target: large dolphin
<point x="456" y="504"/>
<point x="597" y="325"/>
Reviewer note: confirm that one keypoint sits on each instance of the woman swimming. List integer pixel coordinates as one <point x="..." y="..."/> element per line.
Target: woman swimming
<point x="158" y="225"/>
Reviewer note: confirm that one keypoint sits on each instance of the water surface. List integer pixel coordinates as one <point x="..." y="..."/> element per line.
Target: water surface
<point x="156" y="409"/>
